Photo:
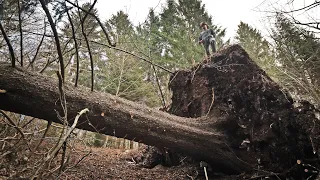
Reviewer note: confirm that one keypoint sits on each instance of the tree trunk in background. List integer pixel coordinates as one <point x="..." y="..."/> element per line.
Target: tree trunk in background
<point x="246" y="120"/>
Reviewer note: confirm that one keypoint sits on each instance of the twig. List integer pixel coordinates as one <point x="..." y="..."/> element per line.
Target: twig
<point x="75" y="44"/>
<point x="13" y="123"/>
<point x="194" y="72"/>
<point x="305" y="7"/>
<point x="86" y="40"/>
<point x="64" y="148"/>
<point x="313" y="148"/>
<point x="44" y="135"/>
<point x="13" y="59"/>
<point x="81" y="159"/>
<point x="38" y="48"/>
<point x="21" y="35"/>
<point x="211" y="102"/>
<point x="156" y="76"/>
<point x="160" y="90"/>
<point x="50" y="62"/>
<point x="117" y="49"/>
<point x="175" y="75"/>
<point x="60" y="143"/>
<point x="55" y="33"/>
<point x="190" y="177"/>
<point x="97" y="19"/>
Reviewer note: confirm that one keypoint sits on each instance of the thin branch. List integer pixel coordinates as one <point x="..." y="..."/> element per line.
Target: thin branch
<point x="79" y="161"/>
<point x="97" y="19"/>
<point x="38" y="48"/>
<point x="21" y="35"/>
<point x="13" y="59"/>
<point x="26" y="124"/>
<point x="71" y="57"/>
<point x="310" y="25"/>
<point x="87" y="42"/>
<point x="155" y="74"/>
<point x="71" y="129"/>
<point x="120" y="76"/>
<point x="63" y="163"/>
<point x="76" y="46"/>
<point x="50" y="62"/>
<point x="44" y="135"/>
<point x="142" y="58"/>
<point x="63" y="101"/>
<point x="158" y="83"/>
<point x="305" y="7"/>
<point x="115" y="48"/>
<point x="12" y="123"/>
<point x="55" y="33"/>
<point x="60" y="143"/>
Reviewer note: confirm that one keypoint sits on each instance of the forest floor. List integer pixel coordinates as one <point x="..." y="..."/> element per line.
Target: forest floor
<point x="92" y="163"/>
<point x="105" y="163"/>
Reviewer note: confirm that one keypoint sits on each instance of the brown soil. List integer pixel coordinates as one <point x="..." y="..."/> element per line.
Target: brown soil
<point x="102" y="164"/>
<point x="260" y="119"/>
<point x="105" y="163"/>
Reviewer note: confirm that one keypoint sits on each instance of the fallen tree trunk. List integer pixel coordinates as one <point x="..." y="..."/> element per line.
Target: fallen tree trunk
<point x="38" y="96"/>
<point x="247" y="122"/>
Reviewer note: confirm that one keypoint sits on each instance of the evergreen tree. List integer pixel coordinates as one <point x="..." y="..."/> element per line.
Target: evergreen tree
<point x="170" y="39"/>
<point x="179" y="29"/>
<point x="298" y="52"/>
<point x="124" y="73"/>
<point x="194" y="12"/>
<point x="255" y="45"/>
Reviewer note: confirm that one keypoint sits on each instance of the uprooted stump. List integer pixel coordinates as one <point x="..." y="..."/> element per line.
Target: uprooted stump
<point x="257" y="115"/>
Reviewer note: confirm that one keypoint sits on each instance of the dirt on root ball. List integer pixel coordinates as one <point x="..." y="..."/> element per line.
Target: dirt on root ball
<point x="258" y="116"/>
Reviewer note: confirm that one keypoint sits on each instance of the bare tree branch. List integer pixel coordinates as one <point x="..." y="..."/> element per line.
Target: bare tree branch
<point x="314" y="25"/>
<point x="38" y="48"/>
<point x="76" y="46"/>
<point x="21" y="34"/>
<point x="115" y="48"/>
<point x="316" y="3"/>
<point x="12" y="123"/>
<point x="86" y="40"/>
<point x="98" y="20"/>
<point x="56" y="37"/>
<point x="13" y="59"/>
<point x="52" y="61"/>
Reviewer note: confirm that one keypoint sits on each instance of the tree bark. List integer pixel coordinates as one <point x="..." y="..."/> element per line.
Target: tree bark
<point x="36" y="95"/>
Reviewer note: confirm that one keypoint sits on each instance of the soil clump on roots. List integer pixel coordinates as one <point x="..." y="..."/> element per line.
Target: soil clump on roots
<point x="260" y="119"/>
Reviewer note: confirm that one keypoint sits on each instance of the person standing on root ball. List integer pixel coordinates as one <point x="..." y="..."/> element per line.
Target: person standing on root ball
<point x="207" y="38"/>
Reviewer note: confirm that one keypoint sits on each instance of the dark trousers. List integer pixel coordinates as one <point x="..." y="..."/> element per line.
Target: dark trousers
<point x="211" y="42"/>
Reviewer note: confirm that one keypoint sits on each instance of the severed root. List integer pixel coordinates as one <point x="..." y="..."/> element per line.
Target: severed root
<point x="204" y="165"/>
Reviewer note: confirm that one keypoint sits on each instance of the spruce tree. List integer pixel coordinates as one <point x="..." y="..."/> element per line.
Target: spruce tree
<point x="255" y="45"/>
<point x="298" y="52"/>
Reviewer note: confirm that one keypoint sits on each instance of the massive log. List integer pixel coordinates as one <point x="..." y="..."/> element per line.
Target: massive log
<point x="234" y="116"/>
<point x="35" y="95"/>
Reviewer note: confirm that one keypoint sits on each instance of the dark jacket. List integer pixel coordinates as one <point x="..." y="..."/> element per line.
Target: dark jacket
<point x="207" y="35"/>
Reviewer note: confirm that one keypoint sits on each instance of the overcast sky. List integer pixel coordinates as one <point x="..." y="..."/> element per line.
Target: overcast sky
<point x="226" y="13"/>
